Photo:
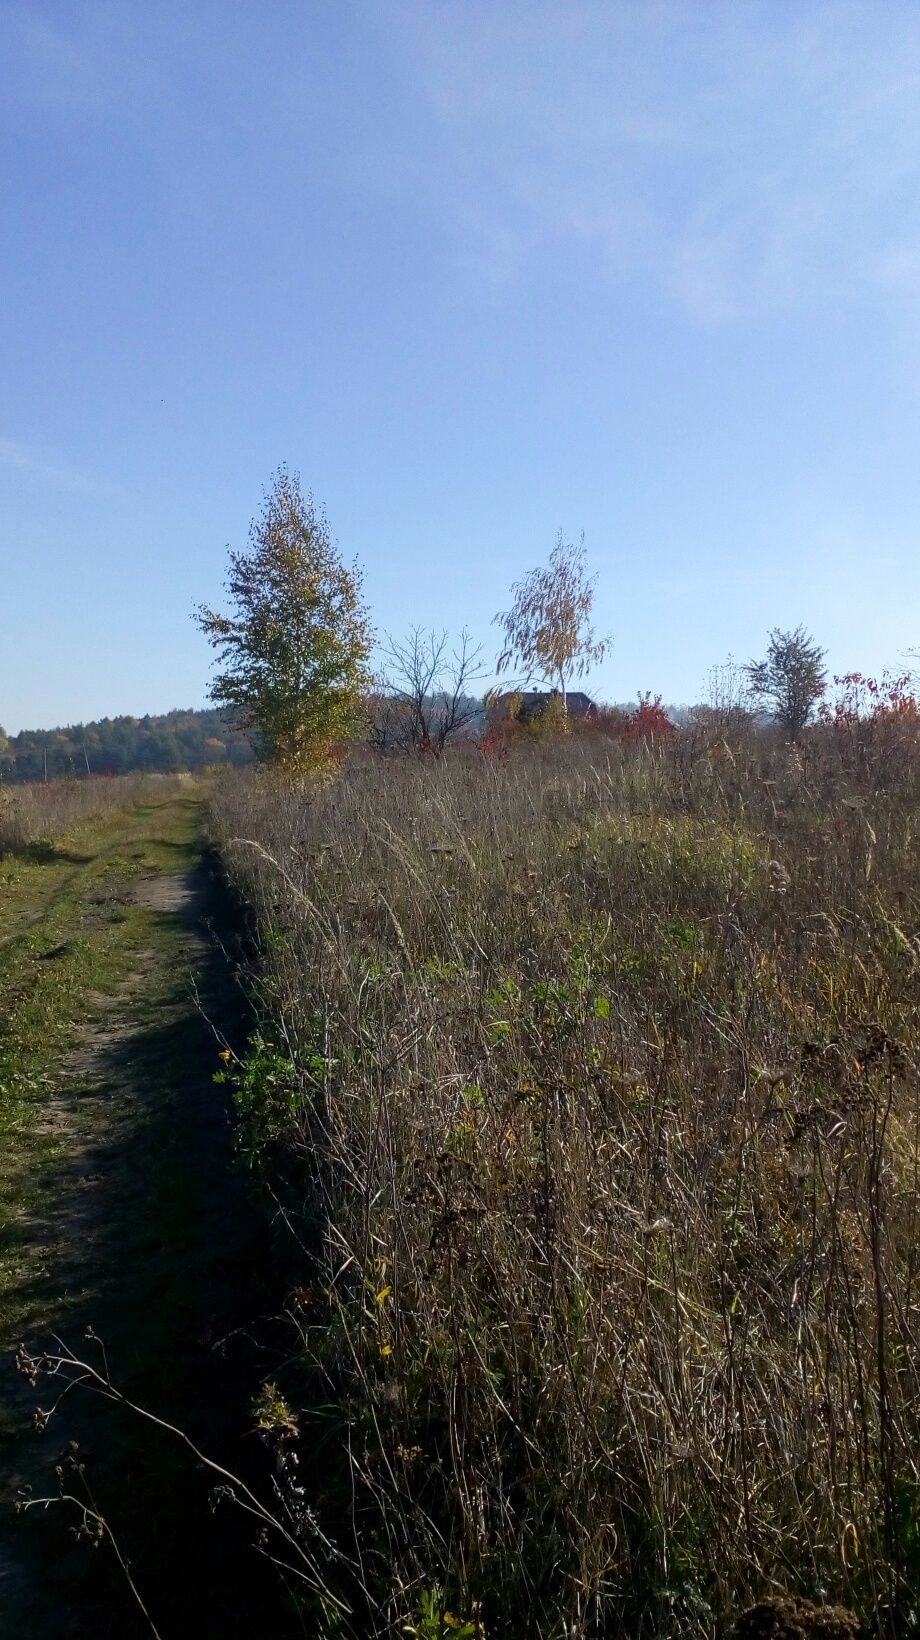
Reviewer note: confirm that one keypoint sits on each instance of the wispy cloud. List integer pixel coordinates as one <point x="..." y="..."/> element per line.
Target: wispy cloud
<point x="25" y="458"/>
<point x="746" y="159"/>
<point x="101" y="59"/>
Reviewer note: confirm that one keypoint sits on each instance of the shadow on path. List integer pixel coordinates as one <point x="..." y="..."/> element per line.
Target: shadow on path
<point x="154" y="1242"/>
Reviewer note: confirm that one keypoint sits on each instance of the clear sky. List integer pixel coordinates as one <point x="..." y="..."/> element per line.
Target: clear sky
<point x="480" y="269"/>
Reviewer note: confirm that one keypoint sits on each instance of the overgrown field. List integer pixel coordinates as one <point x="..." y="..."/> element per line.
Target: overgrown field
<point x="589" y="1081"/>
<point x="40" y="813"/>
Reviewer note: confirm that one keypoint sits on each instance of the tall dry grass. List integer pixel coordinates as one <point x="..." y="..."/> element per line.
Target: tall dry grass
<point x="41" y="813"/>
<point x="596" y="1072"/>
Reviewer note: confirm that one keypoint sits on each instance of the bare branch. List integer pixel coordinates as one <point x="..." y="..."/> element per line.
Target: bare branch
<point x="425" y="701"/>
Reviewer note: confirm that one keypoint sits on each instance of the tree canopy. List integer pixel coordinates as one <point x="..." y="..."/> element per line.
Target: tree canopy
<point x="161" y="743"/>
<point x="293" y="651"/>
<point x="548" y="631"/>
<point x="790" y="680"/>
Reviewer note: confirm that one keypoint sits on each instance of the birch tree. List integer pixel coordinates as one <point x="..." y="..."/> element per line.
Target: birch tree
<point x="293" y="649"/>
<point x="548" y="632"/>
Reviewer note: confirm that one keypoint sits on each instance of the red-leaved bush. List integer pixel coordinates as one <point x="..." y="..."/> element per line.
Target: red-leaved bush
<point x="650" y="721"/>
<point x="863" y="700"/>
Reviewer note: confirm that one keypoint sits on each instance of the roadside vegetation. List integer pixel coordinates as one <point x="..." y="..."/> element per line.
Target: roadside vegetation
<point x="587" y="1084"/>
<point x="35" y="816"/>
<point x="591" y="1068"/>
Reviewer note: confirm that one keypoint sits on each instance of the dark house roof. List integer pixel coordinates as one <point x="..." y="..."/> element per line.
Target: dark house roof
<point x="533" y="703"/>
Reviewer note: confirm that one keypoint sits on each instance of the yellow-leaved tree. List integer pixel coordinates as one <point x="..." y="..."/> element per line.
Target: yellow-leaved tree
<point x="548" y="631"/>
<point x="293" y="649"/>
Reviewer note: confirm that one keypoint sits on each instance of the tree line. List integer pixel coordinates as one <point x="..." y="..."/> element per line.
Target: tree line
<point x="294" y="651"/>
<point x="162" y="744"/>
<point x="294" y="681"/>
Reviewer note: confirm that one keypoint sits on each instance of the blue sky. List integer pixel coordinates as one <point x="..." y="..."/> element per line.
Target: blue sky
<point x="480" y="269"/>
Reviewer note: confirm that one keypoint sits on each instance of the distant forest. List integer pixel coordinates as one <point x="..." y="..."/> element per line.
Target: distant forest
<point x="167" y="743"/>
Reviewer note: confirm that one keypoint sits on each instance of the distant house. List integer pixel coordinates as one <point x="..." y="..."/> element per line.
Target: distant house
<point x="524" y="705"/>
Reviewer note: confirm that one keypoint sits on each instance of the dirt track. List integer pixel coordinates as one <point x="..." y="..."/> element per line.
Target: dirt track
<point x="131" y="1218"/>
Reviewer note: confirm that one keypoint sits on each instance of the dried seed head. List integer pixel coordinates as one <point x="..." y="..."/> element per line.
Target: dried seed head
<point x="779" y="877"/>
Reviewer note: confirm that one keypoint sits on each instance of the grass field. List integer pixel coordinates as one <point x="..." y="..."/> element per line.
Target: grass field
<point x="34" y="817"/>
<point x="588" y="1081"/>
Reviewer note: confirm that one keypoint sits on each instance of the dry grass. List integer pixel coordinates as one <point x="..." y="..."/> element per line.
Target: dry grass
<point x="39" y="814"/>
<point x="597" y="1069"/>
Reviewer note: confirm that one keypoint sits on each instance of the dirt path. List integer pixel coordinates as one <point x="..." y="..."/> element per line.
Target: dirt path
<point x="126" y="1214"/>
